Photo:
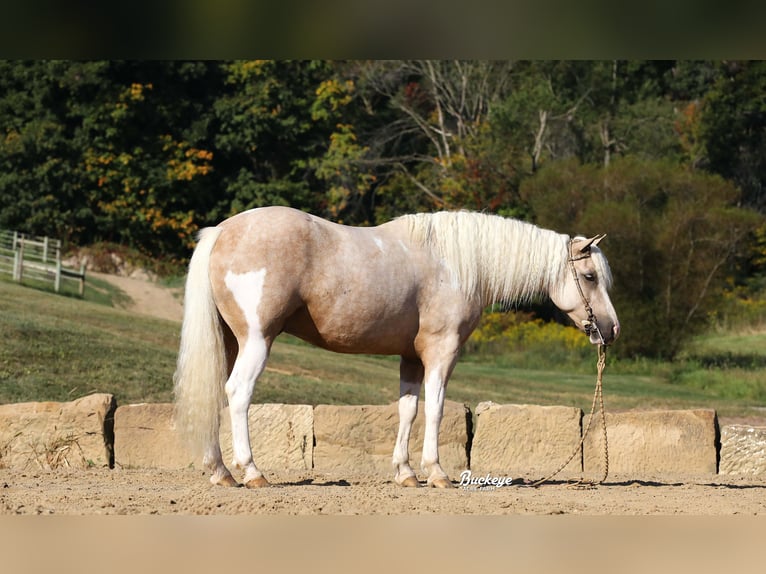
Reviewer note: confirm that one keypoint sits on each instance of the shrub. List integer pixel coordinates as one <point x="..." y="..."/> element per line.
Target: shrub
<point x="525" y="341"/>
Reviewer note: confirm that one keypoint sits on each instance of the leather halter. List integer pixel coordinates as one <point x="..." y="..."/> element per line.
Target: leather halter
<point x="592" y="325"/>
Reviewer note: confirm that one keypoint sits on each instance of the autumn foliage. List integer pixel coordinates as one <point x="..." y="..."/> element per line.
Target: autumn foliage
<point x="666" y="157"/>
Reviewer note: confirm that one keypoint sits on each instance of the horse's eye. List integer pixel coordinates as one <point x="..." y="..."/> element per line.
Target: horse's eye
<point x="589" y="277"/>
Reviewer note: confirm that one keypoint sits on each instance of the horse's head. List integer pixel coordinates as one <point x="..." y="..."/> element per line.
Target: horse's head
<point x="584" y="293"/>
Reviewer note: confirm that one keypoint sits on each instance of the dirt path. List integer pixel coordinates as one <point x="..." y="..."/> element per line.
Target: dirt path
<point x="188" y="492"/>
<point x="129" y="520"/>
<point x="147" y="297"/>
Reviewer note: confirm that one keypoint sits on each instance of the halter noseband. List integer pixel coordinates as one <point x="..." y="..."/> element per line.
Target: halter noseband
<point x="592" y="325"/>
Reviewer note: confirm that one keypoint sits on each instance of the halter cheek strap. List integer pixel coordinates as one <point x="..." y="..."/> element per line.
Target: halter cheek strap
<point x="592" y="325"/>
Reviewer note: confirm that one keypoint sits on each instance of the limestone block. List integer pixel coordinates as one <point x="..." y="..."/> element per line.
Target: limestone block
<point x="651" y="444"/>
<point x="525" y="440"/>
<point x="50" y="435"/>
<point x="145" y="437"/>
<point x="281" y="437"/>
<point x="743" y="450"/>
<point x="360" y="439"/>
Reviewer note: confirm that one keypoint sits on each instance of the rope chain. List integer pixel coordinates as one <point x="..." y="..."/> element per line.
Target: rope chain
<point x="597" y="396"/>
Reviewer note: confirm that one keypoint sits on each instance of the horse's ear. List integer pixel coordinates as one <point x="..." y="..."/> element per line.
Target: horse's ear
<point x="592" y="242"/>
<point x="597" y="239"/>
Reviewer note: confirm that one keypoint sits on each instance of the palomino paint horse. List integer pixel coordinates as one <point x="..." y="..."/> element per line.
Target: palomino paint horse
<point x="413" y="287"/>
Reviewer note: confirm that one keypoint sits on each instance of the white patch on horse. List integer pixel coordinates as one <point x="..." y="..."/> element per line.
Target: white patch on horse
<point x="247" y="289"/>
<point x="379" y="242"/>
<point x="454" y="278"/>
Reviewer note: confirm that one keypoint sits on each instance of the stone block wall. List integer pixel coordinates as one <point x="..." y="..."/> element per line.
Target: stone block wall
<point x="509" y="440"/>
<point x="52" y="435"/>
<point x="281" y="437"/>
<point x="361" y="438"/>
<point x="743" y="450"/>
<point x="525" y="440"/>
<point x="645" y="444"/>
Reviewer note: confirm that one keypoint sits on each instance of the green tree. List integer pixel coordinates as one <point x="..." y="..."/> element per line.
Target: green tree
<point x="37" y="191"/>
<point x="136" y="179"/>
<point x="591" y="110"/>
<point x="672" y="235"/>
<point x="265" y="135"/>
<point x="732" y="128"/>
<point x="104" y="151"/>
<point x="468" y="133"/>
<point x="426" y="136"/>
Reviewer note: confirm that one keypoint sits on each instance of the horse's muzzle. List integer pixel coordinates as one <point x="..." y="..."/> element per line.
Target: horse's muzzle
<point x="601" y="334"/>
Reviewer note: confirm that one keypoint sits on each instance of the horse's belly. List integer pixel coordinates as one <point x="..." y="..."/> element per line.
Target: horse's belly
<point x="378" y="333"/>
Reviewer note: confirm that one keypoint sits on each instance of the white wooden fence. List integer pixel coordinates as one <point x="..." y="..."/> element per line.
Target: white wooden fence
<point x="36" y="258"/>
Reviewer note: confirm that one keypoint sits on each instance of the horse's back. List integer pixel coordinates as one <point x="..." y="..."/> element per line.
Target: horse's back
<point x="262" y="237"/>
<point x="289" y="242"/>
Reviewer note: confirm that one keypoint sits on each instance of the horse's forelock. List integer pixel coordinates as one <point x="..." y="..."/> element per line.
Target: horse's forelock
<point x="602" y="266"/>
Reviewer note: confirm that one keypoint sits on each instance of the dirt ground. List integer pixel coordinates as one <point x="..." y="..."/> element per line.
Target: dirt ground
<point x="147" y="297"/>
<point x="188" y="492"/>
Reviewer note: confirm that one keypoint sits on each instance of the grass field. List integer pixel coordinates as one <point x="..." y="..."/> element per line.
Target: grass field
<point x="58" y="348"/>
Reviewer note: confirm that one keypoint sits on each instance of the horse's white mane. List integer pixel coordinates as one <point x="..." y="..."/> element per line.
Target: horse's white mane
<point x="500" y="259"/>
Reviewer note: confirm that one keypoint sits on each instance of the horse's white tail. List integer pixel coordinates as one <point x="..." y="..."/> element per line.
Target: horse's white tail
<point x="201" y="370"/>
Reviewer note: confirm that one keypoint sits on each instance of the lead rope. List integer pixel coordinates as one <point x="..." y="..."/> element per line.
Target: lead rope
<point x="597" y="395"/>
<point x="598" y="392"/>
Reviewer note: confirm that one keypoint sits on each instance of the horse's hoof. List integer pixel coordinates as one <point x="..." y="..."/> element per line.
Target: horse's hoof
<point x="227" y="481"/>
<point x="441" y="483"/>
<point x="258" y="482"/>
<point x="410" y="482"/>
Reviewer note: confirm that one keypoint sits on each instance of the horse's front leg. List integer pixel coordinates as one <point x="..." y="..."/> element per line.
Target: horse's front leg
<point x="410" y="380"/>
<point x="435" y="387"/>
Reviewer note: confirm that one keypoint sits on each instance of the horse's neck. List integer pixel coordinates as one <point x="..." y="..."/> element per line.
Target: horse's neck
<point x="528" y="270"/>
<point x="494" y="258"/>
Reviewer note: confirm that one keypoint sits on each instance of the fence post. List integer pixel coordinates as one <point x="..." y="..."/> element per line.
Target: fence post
<point x="15" y="265"/>
<point x="82" y="280"/>
<point x="57" y="280"/>
<point x="57" y="245"/>
<point x="20" y="268"/>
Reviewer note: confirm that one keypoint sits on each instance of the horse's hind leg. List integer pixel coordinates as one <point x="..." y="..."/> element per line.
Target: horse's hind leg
<point x="239" y="305"/>
<point x="249" y="365"/>
<point x="410" y="379"/>
<point x="213" y="458"/>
